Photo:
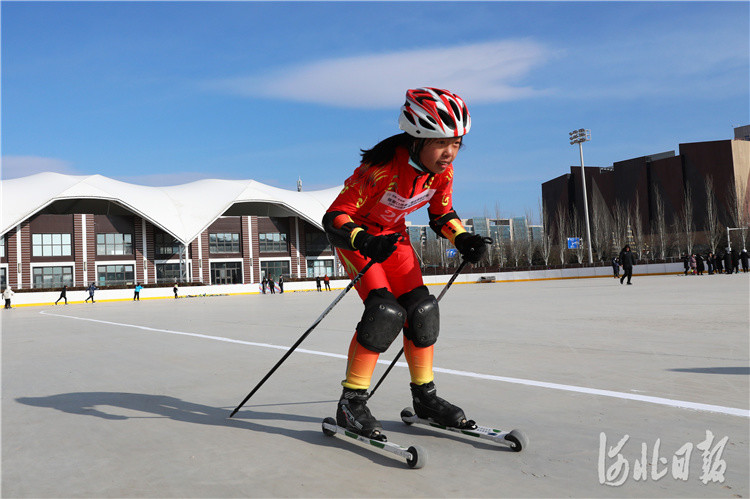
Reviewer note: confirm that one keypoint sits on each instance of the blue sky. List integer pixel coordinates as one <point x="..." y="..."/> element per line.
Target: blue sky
<point x="163" y="93"/>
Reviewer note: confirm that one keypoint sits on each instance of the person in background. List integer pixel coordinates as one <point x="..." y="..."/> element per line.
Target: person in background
<point x="63" y="294"/>
<point x="627" y="259"/>
<point x="327" y="282"/>
<point x="616" y="266"/>
<point x="92" y="287"/>
<point x="175" y="289"/>
<point x="137" y="294"/>
<point x="7" y="295"/>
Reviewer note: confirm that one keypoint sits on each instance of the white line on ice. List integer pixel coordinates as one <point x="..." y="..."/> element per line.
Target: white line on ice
<point x="732" y="411"/>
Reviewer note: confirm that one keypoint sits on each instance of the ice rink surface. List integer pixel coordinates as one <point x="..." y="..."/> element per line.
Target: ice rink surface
<point x="623" y="391"/>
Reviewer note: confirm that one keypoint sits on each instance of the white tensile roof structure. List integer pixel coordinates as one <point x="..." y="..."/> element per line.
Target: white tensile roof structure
<point x="184" y="211"/>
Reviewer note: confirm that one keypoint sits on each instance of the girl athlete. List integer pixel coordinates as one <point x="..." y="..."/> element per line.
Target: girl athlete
<point x="366" y="222"/>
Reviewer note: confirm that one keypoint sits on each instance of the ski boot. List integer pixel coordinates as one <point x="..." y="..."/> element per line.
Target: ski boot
<point x="428" y="405"/>
<point x="352" y="413"/>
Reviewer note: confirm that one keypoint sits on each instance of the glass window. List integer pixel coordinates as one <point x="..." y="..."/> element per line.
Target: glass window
<point x="226" y="273"/>
<point x="316" y="243"/>
<point x="110" y="275"/>
<point x="50" y="245"/>
<point x="320" y="268"/>
<point x="168" y="272"/>
<point x="2" y="246"/>
<point x="224" y="243"/>
<point x="52" y="277"/>
<point x="273" y="242"/>
<point x="3" y="277"/>
<point x="274" y="268"/>
<point x="166" y="244"/>
<point x="114" y="244"/>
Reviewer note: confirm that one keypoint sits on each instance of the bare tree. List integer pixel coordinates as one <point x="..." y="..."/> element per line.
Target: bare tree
<point x="659" y="228"/>
<point x="578" y="228"/>
<point x="545" y="244"/>
<point x="619" y="225"/>
<point x="714" y="229"/>
<point x="531" y="243"/>
<point x="562" y="222"/>
<point x="739" y="208"/>
<point x="601" y="222"/>
<point x="686" y="218"/>
<point x="637" y="227"/>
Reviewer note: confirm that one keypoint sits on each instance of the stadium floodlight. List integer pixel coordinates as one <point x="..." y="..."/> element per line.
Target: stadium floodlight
<point x="579" y="137"/>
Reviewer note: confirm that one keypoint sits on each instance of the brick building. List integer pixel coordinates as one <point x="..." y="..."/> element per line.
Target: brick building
<point x="63" y="229"/>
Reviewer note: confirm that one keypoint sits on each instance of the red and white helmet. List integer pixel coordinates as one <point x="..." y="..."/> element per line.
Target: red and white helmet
<point x="434" y="113"/>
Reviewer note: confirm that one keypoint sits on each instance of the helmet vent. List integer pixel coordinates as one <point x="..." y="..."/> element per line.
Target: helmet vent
<point x="447" y="119"/>
<point x="456" y="111"/>
<point x="426" y="124"/>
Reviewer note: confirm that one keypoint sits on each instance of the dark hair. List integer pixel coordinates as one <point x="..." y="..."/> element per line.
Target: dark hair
<point x="384" y="151"/>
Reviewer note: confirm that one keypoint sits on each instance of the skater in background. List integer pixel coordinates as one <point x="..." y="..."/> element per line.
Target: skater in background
<point x="719" y="263"/>
<point x="744" y="260"/>
<point x="710" y="262"/>
<point x="317" y="283"/>
<point x="627" y="259"/>
<point x="327" y="282"/>
<point x="137" y="293"/>
<point x="616" y="266"/>
<point x="263" y="284"/>
<point x="693" y="263"/>
<point x="699" y="265"/>
<point x="7" y="295"/>
<point x="91" y="289"/>
<point x="175" y="289"/>
<point x="63" y="294"/>
<point x="281" y="284"/>
<point x="366" y="223"/>
<point x="735" y="262"/>
<point x="686" y="263"/>
<point x="271" y="285"/>
<point x="728" y="261"/>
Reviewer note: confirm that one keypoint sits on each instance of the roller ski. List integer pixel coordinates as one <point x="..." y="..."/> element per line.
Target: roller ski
<point x="354" y="420"/>
<point x="431" y="410"/>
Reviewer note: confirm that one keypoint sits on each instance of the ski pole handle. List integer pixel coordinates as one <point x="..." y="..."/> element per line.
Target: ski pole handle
<point x="305" y="335"/>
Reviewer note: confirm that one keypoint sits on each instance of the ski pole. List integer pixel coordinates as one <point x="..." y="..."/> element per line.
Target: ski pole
<point x="302" y="338"/>
<point x="393" y="362"/>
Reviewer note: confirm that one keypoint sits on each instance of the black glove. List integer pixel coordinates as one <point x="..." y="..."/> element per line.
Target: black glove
<point x="471" y="246"/>
<point x="378" y="248"/>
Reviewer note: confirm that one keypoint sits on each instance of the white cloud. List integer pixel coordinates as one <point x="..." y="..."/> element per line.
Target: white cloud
<point x="484" y="72"/>
<point x="23" y="166"/>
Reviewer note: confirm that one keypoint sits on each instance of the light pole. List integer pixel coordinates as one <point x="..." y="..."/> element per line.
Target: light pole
<point x="579" y="137"/>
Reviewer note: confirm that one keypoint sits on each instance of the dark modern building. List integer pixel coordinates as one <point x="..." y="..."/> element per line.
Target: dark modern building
<point x="665" y="178"/>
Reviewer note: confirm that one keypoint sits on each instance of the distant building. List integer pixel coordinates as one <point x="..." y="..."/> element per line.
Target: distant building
<point x="68" y="229"/>
<point x="640" y="182"/>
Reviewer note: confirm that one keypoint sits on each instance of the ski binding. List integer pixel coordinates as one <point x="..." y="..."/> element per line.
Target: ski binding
<point x="416" y="456"/>
<point x="515" y="439"/>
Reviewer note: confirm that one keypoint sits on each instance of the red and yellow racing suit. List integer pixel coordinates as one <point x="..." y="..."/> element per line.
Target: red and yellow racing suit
<point x="377" y="199"/>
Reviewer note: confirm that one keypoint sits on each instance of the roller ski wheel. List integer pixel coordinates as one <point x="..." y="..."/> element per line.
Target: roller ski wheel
<point x="516" y="440"/>
<point x="415" y="456"/>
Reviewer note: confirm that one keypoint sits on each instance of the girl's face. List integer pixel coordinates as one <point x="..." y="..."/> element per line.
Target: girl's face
<point x="437" y="154"/>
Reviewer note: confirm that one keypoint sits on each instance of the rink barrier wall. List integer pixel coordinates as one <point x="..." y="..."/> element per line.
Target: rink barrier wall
<point x="111" y="295"/>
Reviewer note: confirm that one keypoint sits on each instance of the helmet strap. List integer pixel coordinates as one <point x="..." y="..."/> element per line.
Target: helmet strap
<point x="414" y="152"/>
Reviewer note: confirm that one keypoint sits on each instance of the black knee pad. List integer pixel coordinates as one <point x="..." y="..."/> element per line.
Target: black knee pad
<point x="422" y="315"/>
<point x="381" y="321"/>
